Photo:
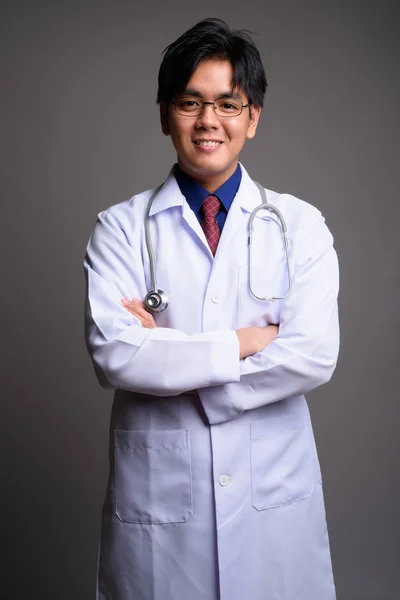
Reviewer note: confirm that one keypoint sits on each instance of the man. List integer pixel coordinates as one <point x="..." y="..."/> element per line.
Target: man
<point x="215" y="489"/>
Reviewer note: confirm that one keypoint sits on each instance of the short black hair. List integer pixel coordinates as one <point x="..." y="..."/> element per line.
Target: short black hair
<point x="212" y="38"/>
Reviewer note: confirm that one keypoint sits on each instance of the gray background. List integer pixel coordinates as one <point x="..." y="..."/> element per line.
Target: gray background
<point x="79" y="132"/>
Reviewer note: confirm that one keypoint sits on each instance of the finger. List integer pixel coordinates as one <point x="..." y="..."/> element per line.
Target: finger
<point x="136" y="308"/>
<point x="129" y="303"/>
<point x="134" y="305"/>
<point x="130" y="307"/>
<point x="148" y="323"/>
<point x="143" y="311"/>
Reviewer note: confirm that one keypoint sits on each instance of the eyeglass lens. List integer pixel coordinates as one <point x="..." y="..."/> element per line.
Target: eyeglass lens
<point x="192" y="106"/>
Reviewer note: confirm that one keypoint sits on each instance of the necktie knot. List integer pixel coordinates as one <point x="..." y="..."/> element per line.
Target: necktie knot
<point x="211" y="207"/>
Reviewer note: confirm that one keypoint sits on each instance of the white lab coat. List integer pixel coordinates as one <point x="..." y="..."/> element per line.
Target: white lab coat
<point x="215" y="496"/>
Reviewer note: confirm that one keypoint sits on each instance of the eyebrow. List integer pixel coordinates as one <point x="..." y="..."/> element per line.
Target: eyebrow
<point x="198" y="94"/>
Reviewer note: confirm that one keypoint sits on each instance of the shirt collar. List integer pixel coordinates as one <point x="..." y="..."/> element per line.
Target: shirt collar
<point x="195" y="194"/>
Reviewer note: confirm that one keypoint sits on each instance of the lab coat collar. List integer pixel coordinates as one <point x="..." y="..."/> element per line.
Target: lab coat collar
<point x="248" y="195"/>
<point x="170" y="195"/>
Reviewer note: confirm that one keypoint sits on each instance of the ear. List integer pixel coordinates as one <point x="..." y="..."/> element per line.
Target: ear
<point x="164" y="117"/>
<point x="255" y="112"/>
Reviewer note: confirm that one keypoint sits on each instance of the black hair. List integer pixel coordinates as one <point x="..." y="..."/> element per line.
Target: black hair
<point x="212" y="38"/>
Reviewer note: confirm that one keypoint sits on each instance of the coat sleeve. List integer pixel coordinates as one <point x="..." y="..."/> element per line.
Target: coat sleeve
<point x="304" y="354"/>
<point x="159" y="361"/>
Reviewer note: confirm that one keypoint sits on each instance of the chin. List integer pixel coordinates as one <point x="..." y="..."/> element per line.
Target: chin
<point x="210" y="165"/>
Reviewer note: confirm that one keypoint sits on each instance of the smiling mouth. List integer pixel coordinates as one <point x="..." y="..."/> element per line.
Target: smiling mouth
<point x="208" y="144"/>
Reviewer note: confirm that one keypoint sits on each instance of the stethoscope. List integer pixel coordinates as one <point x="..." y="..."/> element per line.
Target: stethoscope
<point x="157" y="300"/>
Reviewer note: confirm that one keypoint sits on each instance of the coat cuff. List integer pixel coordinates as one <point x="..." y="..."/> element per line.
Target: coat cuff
<point x="218" y="404"/>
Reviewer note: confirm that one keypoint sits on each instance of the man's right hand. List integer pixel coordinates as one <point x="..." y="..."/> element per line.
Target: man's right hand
<point x="255" y="339"/>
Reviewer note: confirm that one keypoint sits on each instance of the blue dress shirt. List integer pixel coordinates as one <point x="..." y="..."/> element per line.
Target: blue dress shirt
<point x="195" y="194"/>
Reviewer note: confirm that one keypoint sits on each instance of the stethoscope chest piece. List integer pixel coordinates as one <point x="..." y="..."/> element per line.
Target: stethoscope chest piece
<point x="156" y="301"/>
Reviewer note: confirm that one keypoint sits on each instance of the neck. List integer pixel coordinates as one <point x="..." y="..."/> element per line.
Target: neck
<point x="209" y="181"/>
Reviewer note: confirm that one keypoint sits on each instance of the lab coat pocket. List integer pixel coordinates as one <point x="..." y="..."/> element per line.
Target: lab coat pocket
<point x="153" y="482"/>
<point x="281" y="461"/>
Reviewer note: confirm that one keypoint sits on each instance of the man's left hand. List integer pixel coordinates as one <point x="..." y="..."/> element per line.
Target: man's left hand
<point x="138" y="310"/>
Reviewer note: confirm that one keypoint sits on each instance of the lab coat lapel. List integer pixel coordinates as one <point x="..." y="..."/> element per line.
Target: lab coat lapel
<point x="170" y="195"/>
<point x="233" y="221"/>
<point x="246" y="199"/>
<point x="248" y="196"/>
<point x="194" y="224"/>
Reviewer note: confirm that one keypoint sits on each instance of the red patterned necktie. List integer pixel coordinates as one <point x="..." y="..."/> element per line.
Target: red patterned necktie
<point x="209" y="224"/>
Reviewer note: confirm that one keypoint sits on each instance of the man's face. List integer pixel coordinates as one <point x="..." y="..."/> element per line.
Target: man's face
<point x="212" y="164"/>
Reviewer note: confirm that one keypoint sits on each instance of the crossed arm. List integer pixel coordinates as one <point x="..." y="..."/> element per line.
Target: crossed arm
<point x="123" y="339"/>
<point x="251" y="339"/>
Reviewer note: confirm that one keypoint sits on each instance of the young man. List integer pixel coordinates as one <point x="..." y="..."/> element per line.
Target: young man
<point x="215" y="488"/>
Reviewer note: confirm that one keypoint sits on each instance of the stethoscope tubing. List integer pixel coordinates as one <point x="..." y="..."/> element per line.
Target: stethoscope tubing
<point x="266" y="205"/>
<point x="156" y="300"/>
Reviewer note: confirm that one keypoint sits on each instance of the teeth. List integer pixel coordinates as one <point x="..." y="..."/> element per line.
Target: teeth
<point x="209" y="144"/>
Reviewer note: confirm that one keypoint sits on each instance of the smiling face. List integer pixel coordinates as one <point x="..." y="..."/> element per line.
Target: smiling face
<point x="208" y="146"/>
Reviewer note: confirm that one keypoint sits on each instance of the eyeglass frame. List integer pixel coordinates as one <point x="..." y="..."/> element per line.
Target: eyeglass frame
<point x="203" y="102"/>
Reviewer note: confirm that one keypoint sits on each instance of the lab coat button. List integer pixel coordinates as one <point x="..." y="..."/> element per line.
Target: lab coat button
<point x="224" y="480"/>
<point x="215" y="298"/>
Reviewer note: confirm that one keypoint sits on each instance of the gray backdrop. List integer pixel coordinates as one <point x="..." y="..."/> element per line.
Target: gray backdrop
<point x="79" y="132"/>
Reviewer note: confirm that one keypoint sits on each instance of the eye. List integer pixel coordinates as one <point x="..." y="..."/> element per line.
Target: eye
<point x="188" y="104"/>
<point x="228" y="106"/>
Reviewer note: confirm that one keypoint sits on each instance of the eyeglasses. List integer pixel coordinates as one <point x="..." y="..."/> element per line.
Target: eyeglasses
<point x="191" y="106"/>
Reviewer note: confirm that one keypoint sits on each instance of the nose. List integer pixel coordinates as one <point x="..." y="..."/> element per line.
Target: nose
<point x="208" y="119"/>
